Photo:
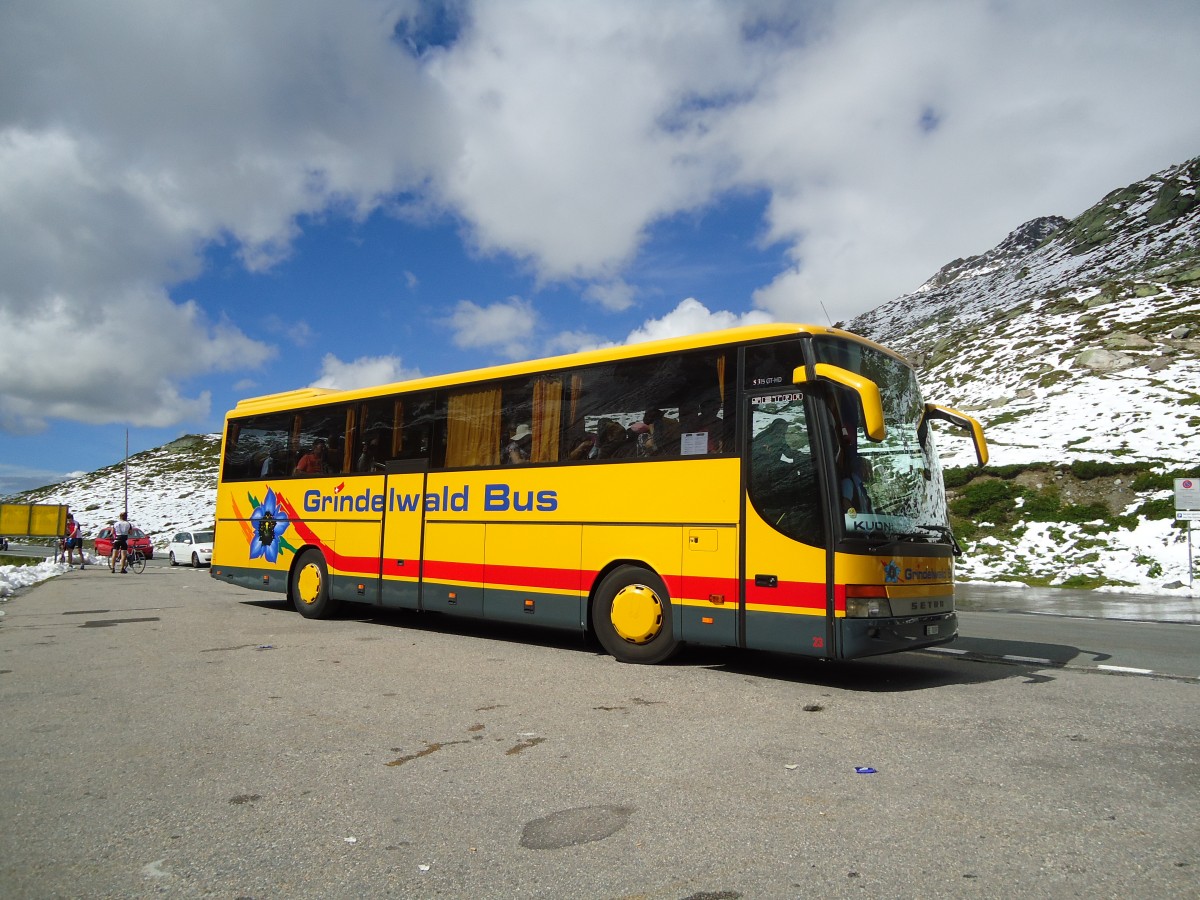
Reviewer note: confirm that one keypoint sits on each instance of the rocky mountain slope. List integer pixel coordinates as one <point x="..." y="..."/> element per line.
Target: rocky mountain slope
<point x="1077" y="344"/>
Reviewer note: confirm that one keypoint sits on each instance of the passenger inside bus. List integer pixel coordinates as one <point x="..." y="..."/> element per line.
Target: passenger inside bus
<point x="368" y="460"/>
<point x="516" y="451"/>
<point x="614" y="441"/>
<point x="582" y="443"/>
<point x="854" y="486"/>
<point x="313" y="462"/>
<point x="659" y="435"/>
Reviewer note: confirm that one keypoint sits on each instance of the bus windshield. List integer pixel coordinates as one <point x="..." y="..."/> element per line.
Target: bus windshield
<point x="892" y="489"/>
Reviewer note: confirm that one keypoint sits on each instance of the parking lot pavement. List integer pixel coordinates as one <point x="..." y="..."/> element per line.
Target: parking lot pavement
<point x="169" y="734"/>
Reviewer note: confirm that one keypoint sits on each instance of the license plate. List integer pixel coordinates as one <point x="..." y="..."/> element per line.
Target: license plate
<point x="931" y="629"/>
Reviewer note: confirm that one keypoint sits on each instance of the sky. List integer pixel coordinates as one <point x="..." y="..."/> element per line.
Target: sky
<point x="201" y="202"/>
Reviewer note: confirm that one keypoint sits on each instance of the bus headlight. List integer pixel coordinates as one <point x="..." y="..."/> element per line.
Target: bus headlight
<point x="867" y="601"/>
<point x="868" y="608"/>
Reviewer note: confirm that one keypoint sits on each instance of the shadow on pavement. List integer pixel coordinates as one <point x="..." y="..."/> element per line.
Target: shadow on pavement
<point x="897" y="672"/>
<point x="1025" y="651"/>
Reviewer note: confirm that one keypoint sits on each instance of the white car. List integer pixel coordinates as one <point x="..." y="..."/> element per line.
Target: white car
<point x="193" y="547"/>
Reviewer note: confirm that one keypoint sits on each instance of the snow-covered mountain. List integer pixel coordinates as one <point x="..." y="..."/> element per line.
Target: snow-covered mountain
<point x="1071" y="339"/>
<point x="1075" y="342"/>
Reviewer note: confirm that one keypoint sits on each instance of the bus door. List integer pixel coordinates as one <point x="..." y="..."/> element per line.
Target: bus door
<point x="786" y="599"/>
<point x="403" y="533"/>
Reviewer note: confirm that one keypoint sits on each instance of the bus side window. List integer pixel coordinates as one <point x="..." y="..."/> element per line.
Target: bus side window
<point x="323" y="426"/>
<point x="258" y="448"/>
<point x="664" y="407"/>
<point x="418" y="434"/>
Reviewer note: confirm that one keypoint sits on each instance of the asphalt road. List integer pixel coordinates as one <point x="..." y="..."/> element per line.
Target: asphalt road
<point x="168" y="735"/>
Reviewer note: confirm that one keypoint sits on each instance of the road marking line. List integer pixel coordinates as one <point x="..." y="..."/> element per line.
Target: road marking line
<point x="1126" y="669"/>
<point x="1028" y="659"/>
<point x="948" y="650"/>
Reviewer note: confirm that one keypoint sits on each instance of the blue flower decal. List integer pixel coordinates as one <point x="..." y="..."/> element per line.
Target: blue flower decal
<point x="891" y="573"/>
<point x="269" y="523"/>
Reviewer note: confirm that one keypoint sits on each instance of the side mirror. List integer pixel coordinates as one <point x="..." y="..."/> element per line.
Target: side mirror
<point x="960" y="420"/>
<point x="867" y="390"/>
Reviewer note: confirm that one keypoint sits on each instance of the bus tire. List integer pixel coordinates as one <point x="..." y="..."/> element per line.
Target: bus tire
<point x="631" y="616"/>
<point x="309" y="586"/>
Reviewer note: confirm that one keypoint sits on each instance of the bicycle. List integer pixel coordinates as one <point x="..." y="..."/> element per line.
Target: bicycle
<point x="135" y="561"/>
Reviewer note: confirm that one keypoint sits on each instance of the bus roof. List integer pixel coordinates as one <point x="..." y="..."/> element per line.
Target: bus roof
<point x="743" y="334"/>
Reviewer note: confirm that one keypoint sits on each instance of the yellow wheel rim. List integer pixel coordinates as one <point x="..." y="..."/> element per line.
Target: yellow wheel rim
<point x="308" y="584"/>
<point x="637" y="614"/>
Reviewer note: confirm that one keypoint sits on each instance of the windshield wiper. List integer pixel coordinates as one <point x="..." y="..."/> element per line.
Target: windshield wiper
<point x="946" y="533"/>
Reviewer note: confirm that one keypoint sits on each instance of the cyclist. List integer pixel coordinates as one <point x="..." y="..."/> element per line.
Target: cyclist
<point x="120" y="545"/>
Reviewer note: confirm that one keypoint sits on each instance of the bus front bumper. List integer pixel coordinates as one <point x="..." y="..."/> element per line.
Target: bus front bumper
<point x="871" y="637"/>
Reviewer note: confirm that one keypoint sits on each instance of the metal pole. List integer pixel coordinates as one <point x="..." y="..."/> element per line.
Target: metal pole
<point x="126" y="473"/>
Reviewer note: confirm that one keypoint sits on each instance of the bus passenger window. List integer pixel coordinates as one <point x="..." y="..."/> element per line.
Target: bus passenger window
<point x="322" y="440"/>
<point x="257" y="448"/>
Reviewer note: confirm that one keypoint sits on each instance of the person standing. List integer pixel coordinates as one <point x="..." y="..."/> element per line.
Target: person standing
<point x="73" y="541"/>
<point x="120" y="545"/>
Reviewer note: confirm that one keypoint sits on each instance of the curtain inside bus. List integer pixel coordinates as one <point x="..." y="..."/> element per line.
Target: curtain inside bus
<point x="473" y="428"/>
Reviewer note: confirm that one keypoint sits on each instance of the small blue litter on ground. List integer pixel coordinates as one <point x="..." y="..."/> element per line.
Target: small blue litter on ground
<point x="864" y="770"/>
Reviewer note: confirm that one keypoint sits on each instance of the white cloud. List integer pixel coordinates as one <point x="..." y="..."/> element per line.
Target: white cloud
<point x="297" y="332"/>
<point x="938" y="128"/>
<point x="572" y="139"/>
<point x="100" y="358"/>
<point x="890" y="137"/>
<point x="574" y="342"/>
<point x="118" y="164"/>
<point x="615" y="296"/>
<point x="693" y="317"/>
<point x="506" y="326"/>
<point x="366" y="371"/>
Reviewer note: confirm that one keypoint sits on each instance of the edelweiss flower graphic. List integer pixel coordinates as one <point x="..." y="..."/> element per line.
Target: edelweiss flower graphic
<point x="269" y="522"/>
<point x="891" y="572"/>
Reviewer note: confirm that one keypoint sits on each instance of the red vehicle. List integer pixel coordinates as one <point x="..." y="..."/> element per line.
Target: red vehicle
<point x="138" y="540"/>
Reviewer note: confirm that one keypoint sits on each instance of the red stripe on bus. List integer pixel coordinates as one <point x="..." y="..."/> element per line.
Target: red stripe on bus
<point x="535" y="576"/>
<point x="449" y="570"/>
<point x="801" y="594"/>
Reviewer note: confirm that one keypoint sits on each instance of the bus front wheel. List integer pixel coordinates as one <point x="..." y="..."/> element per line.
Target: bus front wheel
<point x="309" y="588"/>
<point x="631" y="616"/>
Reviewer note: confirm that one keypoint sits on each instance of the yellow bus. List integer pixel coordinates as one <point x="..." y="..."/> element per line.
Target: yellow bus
<point x="772" y="487"/>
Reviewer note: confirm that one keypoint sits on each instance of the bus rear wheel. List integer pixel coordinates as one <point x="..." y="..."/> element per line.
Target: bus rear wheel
<point x="631" y="616"/>
<point x="309" y="587"/>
